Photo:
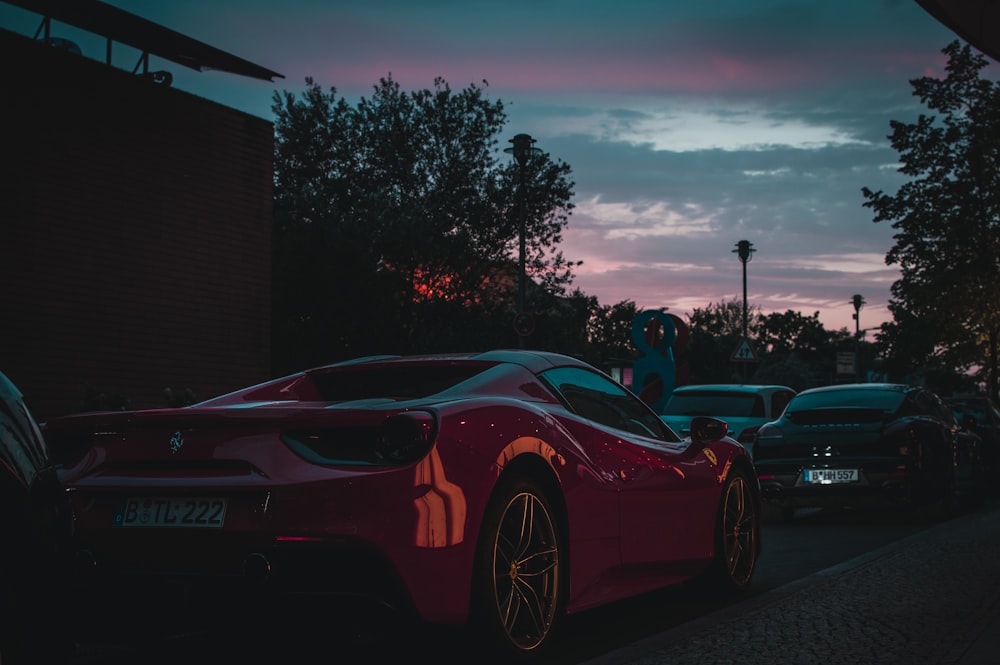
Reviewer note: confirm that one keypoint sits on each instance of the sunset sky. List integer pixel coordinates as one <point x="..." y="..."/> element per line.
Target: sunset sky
<point x="689" y="126"/>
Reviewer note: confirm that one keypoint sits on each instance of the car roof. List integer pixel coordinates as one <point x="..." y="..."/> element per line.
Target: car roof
<point x="730" y="387"/>
<point x="976" y="399"/>
<point x="880" y="387"/>
<point x="535" y="361"/>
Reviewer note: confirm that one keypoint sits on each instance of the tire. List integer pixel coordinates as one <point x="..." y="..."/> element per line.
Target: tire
<point x="941" y="501"/>
<point x="519" y="585"/>
<point x="737" y="534"/>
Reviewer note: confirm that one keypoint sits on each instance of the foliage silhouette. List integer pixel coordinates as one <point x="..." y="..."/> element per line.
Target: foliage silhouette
<point x="395" y="224"/>
<point x="945" y="307"/>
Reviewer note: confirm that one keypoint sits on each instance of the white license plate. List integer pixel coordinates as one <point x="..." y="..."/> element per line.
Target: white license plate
<point x="830" y="476"/>
<point x="167" y="512"/>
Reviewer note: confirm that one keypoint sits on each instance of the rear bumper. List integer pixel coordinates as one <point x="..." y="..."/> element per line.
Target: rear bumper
<point x="877" y="484"/>
<point x="890" y="493"/>
<point x="284" y="582"/>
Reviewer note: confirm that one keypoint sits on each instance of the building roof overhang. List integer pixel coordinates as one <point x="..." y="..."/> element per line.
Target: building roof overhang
<point x="974" y="21"/>
<point x="118" y="25"/>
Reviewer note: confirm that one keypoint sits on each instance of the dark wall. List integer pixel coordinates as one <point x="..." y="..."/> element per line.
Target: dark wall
<point x="136" y="218"/>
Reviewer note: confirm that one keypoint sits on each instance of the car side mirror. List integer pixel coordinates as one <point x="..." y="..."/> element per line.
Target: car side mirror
<point x="705" y="429"/>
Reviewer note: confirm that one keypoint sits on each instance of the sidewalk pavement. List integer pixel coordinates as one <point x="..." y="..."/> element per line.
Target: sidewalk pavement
<point x="932" y="598"/>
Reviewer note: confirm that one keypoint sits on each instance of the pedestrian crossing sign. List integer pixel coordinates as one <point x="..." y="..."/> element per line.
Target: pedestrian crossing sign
<point x="744" y="353"/>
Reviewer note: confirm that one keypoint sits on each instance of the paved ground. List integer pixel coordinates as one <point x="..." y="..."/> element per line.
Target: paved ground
<point x="931" y="598"/>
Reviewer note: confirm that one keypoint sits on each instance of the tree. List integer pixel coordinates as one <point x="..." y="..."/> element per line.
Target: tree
<point x="945" y="305"/>
<point x="798" y="351"/>
<point x="723" y="319"/>
<point x="792" y="349"/>
<point x="779" y="332"/>
<point x="609" y="331"/>
<point x="396" y="220"/>
<point x="716" y="331"/>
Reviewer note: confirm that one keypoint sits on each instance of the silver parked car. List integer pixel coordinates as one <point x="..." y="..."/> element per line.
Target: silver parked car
<point x="744" y="407"/>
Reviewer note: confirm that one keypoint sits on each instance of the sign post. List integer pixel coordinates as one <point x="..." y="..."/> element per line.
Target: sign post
<point x="846" y="362"/>
<point x="524" y="325"/>
<point x="744" y="353"/>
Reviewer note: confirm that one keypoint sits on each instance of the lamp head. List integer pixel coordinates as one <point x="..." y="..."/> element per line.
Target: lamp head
<point x="745" y="250"/>
<point x="522" y="149"/>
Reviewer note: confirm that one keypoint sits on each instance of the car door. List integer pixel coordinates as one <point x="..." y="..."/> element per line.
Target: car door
<point x="665" y="489"/>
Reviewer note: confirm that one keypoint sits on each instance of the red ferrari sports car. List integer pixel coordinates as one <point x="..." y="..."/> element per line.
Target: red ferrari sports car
<point x="497" y="491"/>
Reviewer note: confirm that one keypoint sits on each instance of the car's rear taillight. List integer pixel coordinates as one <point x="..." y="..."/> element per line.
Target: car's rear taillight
<point x="400" y="439"/>
<point x="406" y="437"/>
<point x="67" y="447"/>
<point x="767" y="441"/>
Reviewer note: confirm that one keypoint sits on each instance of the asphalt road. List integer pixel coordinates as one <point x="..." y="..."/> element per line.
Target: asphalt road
<point x="812" y="541"/>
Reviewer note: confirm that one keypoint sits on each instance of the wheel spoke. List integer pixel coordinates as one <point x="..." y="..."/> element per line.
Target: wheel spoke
<point x="533" y="584"/>
<point x="527" y="525"/>
<point x="530" y="610"/>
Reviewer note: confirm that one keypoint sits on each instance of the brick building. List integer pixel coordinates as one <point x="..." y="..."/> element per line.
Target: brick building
<point x="135" y="254"/>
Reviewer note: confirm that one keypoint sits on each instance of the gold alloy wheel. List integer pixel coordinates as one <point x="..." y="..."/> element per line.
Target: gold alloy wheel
<point x="526" y="571"/>
<point x="739" y="530"/>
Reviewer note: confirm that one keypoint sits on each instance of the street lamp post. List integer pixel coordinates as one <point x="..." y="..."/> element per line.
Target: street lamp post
<point x="857" y="300"/>
<point x="523" y="152"/>
<point x="744" y="249"/>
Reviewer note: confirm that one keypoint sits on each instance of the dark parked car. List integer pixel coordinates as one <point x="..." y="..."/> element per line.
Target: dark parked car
<point x="980" y="415"/>
<point x="36" y="531"/>
<point x="854" y="444"/>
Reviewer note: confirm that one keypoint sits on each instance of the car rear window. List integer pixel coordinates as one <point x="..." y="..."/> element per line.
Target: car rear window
<point x="886" y="401"/>
<point x="742" y="405"/>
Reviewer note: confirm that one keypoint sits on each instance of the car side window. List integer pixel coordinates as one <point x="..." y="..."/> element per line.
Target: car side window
<point x="600" y="399"/>
<point x="779" y="401"/>
<point x="911" y="406"/>
<point x="931" y="405"/>
<point x="942" y="411"/>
